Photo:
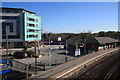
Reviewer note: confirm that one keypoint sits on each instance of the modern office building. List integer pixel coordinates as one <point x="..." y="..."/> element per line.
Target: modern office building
<point x="19" y="25"/>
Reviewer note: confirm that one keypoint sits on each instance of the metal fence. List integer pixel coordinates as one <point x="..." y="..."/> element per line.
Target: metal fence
<point x="54" y="62"/>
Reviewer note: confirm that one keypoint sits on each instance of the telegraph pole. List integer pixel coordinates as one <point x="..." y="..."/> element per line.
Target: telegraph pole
<point x="76" y="46"/>
<point x="7" y="43"/>
<point x="35" y="57"/>
<point x="84" y="45"/>
<point x="49" y="53"/>
<point x="66" y="52"/>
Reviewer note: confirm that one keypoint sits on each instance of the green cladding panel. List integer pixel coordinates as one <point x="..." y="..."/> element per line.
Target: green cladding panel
<point x="32" y="27"/>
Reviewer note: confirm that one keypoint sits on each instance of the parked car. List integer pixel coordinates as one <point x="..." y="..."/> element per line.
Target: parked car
<point x="20" y="55"/>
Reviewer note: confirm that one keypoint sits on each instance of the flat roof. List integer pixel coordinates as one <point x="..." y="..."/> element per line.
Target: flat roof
<point x="17" y="9"/>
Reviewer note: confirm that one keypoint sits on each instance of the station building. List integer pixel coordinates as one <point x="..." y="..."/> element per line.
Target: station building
<point x="20" y="26"/>
<point x="90" y="44"/>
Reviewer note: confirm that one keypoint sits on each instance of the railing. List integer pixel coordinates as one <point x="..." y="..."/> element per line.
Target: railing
<point x="19" y="71"/>
<point x="23" y="67"/>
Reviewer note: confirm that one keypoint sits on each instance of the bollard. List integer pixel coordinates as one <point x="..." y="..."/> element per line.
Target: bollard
<point x="66" y="59"/>
<point x="85" y="66"/>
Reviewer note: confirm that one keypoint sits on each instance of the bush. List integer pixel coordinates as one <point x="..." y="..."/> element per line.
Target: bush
<point x="10" y="54"/>
<point x="30" y="53"/>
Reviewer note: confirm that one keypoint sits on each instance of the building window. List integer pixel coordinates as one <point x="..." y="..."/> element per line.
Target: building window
<point x="31" y="30"/>
<point x="36" y="25"/>
<point x="27" y="36"/>
<point x="31" y="19"/>
<point x="11" y="28"/>
<point x="36" y="20"/>
<point x="14" y="18"/>
<point x="32" y="25"/>
<point x="37" y="31"/>
<point x="36" y="36"/>
<point x="7" y="17"/>
<point x="8" y="11"/>
<point x="16" y="11"/>
<point x="33" y="36"/>
<point x="27" y="30"/>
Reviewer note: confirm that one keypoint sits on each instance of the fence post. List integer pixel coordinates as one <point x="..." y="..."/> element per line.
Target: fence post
<point x="73" y="57"/>
<point x="26" y="71"/>
<point x="44" y="67"/>
<point x="55" y="62"/>
<point x="17" y="64"/>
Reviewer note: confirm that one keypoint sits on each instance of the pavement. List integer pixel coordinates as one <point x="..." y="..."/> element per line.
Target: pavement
<point x="65" y="67"/>
<point x="56" y="54"/>
<point x="42" y="49"/>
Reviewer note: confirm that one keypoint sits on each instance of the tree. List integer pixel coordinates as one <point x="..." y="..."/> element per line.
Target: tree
<point x="101" y="34"/>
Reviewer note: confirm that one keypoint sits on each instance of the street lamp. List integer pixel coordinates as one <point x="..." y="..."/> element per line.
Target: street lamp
<point x="84" y="41"/>
<point x="66" y="52"/>
<point x="48" y="36"/>
<point x="84" y="45"/>
<point x="35" y="57"/>
<point x="7" y="43"/>
<point x="49" y="53"/>
<point x="37" y="44"/>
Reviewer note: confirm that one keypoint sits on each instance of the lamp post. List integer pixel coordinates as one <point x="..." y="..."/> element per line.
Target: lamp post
<point x="49" y="53"/>
<point x="37" y="50"/>
<point x="35" y="57"/>
<point x="7" y="43"/>
<point x="66" y="52"/>
<point x="84" y="45"/>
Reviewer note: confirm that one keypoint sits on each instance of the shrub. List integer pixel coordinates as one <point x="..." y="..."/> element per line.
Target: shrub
<point x="30" y="53"/>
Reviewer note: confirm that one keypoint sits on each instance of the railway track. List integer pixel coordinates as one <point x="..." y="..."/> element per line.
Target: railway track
<point x="100" y="70"/>
<point x="109" y="75"/>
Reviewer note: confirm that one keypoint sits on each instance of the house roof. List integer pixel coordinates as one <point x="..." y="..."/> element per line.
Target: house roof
<point x="105" y="40"/>
<point x="89" y="39"/>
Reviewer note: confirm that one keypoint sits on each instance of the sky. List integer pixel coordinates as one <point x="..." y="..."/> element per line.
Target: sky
<point x="60" y="0"/>
<point x="73" y="17"/>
